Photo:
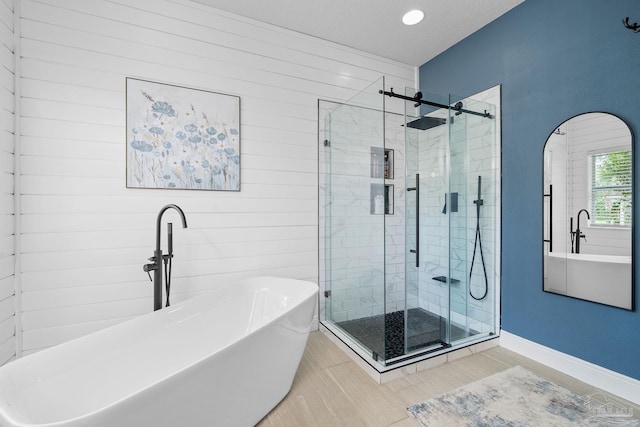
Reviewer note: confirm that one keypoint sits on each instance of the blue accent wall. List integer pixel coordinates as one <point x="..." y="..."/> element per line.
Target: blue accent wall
<point x="554" y="59"/>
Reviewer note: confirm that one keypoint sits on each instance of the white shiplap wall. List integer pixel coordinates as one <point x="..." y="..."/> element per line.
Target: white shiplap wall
<point x="589" y="134"/>
<point x="84" y="235"/>
<point x="7" y="230"/>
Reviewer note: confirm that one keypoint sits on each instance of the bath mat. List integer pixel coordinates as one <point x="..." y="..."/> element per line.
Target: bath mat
<point x="518" y="397"/>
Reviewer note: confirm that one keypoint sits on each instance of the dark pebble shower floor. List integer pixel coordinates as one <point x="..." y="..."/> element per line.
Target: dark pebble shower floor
<point x="423" y="330"/>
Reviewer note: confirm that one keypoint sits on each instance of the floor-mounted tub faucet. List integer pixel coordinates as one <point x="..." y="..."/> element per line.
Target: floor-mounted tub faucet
<point x="158" y="258"/>
<point x="579" y="234"/>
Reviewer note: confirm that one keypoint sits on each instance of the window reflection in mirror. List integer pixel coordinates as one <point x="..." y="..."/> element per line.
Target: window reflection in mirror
<point x="588" y="202"/>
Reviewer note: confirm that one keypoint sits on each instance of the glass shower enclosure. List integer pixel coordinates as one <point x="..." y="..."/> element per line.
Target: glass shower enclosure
<point x="409" y="224"/>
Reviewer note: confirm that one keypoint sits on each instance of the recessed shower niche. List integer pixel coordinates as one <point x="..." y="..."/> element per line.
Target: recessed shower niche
<point x="382" y="200"/>
<point x="422" y="279"/>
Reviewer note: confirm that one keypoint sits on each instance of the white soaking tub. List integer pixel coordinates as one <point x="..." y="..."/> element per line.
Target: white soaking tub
<point x="601" y="278"/>
<point x="222" y="359"/>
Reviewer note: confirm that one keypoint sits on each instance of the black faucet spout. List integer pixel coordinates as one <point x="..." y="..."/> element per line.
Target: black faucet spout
<point x="159" y="221"/>
<point x="585" y="211"/>
<point x="579" y="234"/>
<point x="157" y="258"/>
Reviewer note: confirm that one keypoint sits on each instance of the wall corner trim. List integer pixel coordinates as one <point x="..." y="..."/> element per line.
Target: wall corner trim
<point x="621" y="385"/>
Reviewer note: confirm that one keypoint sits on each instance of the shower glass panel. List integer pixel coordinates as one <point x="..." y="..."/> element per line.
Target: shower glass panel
<point x="427" y="233"/>
<point x="473" y="234"/>
<point x="355" y="206"/>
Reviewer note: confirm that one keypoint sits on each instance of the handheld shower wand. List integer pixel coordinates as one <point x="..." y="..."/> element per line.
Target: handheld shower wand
<point x="170" y="238"/>
<point x="168" y="261"/>
<point x="478" y="244"/>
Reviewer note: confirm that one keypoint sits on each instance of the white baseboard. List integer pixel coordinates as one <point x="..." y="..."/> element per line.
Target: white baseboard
<point x="626" y="387"/>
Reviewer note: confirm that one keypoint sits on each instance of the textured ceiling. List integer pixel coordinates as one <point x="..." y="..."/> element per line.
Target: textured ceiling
<point x="375" y="26"/>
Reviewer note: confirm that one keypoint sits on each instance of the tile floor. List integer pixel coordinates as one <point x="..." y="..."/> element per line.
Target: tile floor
<point x="330" y="390"/>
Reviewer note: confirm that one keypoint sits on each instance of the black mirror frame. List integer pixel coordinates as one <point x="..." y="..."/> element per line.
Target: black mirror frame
<point x="633" y="201"/>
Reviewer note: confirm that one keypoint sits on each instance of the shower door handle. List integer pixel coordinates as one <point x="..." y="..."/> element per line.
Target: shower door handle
<point x="417" y="190"/>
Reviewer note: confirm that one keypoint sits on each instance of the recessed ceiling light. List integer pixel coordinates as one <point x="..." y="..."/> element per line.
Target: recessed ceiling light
<point x="413" y="17"/>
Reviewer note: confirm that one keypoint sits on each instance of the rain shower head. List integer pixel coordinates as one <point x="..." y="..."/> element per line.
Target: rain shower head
<point x="425" y="122"/>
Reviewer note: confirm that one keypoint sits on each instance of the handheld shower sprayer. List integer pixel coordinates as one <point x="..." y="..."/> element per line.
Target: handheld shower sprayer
<point x="478" y="244"/>
<point x="168" y="262"/>
<point x="170" y="238"/>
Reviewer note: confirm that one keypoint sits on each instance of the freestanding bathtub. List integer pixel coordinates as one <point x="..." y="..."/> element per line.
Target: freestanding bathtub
<point x="222" y="359"/>
<point x="602" y="278"/>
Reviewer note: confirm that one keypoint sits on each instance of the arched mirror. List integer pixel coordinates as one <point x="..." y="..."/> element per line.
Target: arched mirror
<point x="588" y="201"/>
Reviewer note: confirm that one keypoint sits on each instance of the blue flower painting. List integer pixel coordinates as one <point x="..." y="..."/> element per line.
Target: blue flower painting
<point x="182" y="138"/>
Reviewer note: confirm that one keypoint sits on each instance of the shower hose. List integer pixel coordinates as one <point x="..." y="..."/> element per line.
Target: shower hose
<point x="167" y="277"/>
<point x="477" y="244"/>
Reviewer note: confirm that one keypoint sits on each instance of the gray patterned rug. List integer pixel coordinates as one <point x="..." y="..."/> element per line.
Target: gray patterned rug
<point x="519" y="398"/>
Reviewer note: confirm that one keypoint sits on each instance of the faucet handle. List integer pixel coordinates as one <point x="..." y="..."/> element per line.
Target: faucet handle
<point x="148" y="267"/>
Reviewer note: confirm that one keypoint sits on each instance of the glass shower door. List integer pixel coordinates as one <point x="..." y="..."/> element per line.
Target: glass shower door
<point x="355" y="220"/>
<point x="458" y="228"/>
<point x="427" y="201"/>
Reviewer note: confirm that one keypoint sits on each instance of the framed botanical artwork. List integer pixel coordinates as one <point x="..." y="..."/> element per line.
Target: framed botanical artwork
<point x="181" y="138"/>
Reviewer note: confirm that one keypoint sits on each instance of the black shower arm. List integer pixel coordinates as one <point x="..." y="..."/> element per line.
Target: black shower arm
<point x="419" y="101"/>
